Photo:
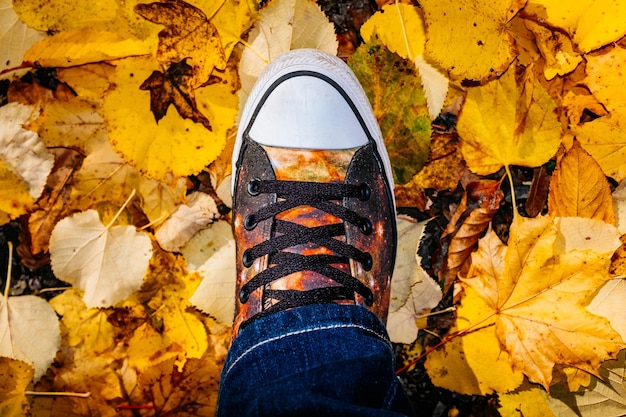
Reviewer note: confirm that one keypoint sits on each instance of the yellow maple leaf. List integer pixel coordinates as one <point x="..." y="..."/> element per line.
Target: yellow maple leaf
<point x="579" y="188"/>
<point x="591" y="24"/>
<point x="508" y="121"/>
<point x="470" y="38"/>
<point x="531" y="295"/>
<point x="174" y="146"/>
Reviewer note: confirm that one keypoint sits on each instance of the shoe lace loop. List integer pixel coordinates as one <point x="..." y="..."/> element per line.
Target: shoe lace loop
<point x="291" y="194"/>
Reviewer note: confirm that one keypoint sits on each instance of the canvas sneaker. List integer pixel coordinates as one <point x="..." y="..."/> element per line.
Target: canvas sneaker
<point x="313" y="205"/>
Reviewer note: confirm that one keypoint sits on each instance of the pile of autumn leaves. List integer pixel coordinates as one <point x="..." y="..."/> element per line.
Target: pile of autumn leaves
<point x="148" y="94"/>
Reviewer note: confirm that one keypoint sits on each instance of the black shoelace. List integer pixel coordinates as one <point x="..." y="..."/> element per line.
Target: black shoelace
<point x="291" y="194"/>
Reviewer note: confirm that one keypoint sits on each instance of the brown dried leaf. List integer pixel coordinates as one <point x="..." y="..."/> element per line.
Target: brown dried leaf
<point x="173" y="87"/>
<point x="189" y="34"/>
<point x="480" y="202"/>
<point x="54" y="204"/>
<point x="444" y="166"/>
<point x="191" y="391"/>
<point x="538" y="194"/>
<point x="579" y="188"/>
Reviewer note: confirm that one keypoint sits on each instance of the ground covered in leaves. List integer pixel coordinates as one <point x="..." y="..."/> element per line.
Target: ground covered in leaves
<point x="503" y="124"/>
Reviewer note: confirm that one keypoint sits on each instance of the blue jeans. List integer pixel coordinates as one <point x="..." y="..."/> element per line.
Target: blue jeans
<point x="326" y="360"/>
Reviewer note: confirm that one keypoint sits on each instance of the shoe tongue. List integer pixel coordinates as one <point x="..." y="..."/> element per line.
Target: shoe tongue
<point x="309" y="166"/>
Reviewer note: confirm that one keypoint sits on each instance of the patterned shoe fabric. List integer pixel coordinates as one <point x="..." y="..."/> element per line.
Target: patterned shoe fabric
<point x="313" y="207"/>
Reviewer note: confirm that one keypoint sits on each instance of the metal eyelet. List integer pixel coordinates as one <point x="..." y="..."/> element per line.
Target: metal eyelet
<point x="364" y="192"/>
<point x="366" y="227"/>
<point x="367" y="262"/>
<point x="254" y="187"/>
<point x="247" y="260"/>
<point x="244" y="295"/>
<point x="369" y="298"/>
<point x="250" y="222"/>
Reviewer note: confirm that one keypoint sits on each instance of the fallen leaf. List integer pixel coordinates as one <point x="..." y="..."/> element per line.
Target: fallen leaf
<point x="283" y="25"/>
<point x="527" y="401"/>
<point x="509" y="121"/>
<point x="15" y="200"/>
<point x="211" y="253"/>
<point x="174" y="330"/>
<point x="108" y="263"/>
<point x="191" y="391"/>
<point x="90" y="81"/>
<point x="175" y="146"/>
<point x="60" y="15"/>
<point x="472" y="217"/>
<point x="15" y="36"/>
<point x="23" y="150"/>
<point x="470" y="39"/>
<point x="619" y="201"/>
<point x="604" y="139"/>
<point x="579" y="188"/>
<point x="400" y="27"/>
<point x="557" y="50"/>
<point x="188" y="34"/>
<point x="172" y="88"/>
<point x="83" y="46"/>
<point x="186" y="220"/>
<point x="395" y="92"/>
<point x="532" y="290"/>
<point x="590" y="25"/>
<point x="445" y="164"/>
<point x="88" y="328"/>
<point x="604" y="397"/>
<point x="29" y="331"/>
<point x="15" y="376"/>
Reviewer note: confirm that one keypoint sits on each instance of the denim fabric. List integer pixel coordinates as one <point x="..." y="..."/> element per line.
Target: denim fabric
<point x="322" y="360"/>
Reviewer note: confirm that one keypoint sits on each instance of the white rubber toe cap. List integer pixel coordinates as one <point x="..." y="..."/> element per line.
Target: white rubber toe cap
<point x="308" y="113"/>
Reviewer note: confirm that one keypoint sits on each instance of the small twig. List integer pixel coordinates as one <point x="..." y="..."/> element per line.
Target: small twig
<point x="58" y="394"/>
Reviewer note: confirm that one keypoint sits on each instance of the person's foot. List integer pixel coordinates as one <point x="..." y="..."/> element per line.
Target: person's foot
<point x="313" y="206"/>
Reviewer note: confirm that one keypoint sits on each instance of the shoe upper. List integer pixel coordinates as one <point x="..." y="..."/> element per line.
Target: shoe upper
<point x="313" y="207"/>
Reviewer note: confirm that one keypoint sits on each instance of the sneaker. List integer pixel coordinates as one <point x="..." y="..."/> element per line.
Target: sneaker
<point x="313" y="205"/>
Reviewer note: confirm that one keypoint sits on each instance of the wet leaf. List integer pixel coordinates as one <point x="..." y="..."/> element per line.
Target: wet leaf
<point x="395" y="92"/>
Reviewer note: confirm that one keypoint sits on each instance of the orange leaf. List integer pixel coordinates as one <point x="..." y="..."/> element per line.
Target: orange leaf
<point x="579" y="188"/>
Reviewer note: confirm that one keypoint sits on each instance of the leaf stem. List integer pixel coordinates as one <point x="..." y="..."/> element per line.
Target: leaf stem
<point x="513" y="201"/>
<point x="406" y="38"/>
<point x="128" y="200"/>
<point x="7" y="286"/>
